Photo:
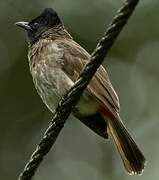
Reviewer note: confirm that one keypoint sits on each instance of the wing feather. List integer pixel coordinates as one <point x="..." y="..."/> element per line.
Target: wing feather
<point x="75" y="57"/>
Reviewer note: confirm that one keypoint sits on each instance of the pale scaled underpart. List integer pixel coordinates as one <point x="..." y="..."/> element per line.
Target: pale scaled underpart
<point x="51" y="81"/>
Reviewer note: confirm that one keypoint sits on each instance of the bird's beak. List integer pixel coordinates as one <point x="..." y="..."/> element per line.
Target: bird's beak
<point x="24" y="25"/>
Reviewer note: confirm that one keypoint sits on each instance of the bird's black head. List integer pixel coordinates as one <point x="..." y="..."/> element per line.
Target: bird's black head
<point x="35" y="28"/>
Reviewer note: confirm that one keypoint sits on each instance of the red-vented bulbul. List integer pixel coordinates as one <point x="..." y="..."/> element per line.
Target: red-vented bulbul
<point x="56" y="61"/>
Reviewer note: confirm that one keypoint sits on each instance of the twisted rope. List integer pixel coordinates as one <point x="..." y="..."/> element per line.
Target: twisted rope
<point x="70" y="99"/>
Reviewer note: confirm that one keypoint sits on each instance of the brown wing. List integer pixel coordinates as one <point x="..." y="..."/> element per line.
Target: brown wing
<point x="75" y="57"/>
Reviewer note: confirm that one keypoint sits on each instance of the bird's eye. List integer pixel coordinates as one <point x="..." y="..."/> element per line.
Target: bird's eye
<point x="35" y="24"/>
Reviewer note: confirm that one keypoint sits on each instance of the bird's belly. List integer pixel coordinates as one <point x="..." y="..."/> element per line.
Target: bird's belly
<point x="49" y="96"/>
<point x="52" y="84"/>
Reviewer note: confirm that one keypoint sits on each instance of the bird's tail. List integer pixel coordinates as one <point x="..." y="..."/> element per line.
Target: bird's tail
<point x="132" y="157"/>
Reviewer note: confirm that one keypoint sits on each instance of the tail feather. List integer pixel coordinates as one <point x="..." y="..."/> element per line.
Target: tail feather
<point x="132" y="157"/>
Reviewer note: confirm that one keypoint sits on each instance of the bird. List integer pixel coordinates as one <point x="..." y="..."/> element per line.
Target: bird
<point x="55" y="62"/>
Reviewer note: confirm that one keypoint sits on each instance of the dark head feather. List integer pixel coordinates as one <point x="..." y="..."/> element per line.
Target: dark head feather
<point x="46" y="20"/>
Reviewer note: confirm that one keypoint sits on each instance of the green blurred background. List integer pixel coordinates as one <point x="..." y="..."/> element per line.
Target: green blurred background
<point x="132" y="65"/>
